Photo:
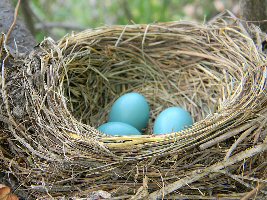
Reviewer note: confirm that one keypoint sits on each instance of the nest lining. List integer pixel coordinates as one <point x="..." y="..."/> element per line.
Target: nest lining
<point x="52" y="99"/>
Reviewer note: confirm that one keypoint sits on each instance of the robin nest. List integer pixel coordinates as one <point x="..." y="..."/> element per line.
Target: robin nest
<point x="54" y="97"/>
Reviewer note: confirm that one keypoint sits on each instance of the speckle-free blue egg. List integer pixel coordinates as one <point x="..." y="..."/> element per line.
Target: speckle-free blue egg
<point x="131" y="108"/>
<point x="118" y="128"/>
<point x="171" y="120"/>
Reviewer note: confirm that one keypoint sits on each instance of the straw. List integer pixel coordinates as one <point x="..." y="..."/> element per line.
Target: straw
<point x="54" y="99"/>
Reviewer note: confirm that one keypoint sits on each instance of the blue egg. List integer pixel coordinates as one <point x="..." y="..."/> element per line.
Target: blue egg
<point x="131" y="108"/>
<point x="173" y="119"/>
<point x="118" y="128"/>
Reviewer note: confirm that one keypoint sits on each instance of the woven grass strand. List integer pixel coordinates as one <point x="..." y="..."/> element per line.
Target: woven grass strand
<point x="54" y="98"/>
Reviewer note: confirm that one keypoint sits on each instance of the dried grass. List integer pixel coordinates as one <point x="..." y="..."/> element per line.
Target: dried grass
<point x="53" y="98"/>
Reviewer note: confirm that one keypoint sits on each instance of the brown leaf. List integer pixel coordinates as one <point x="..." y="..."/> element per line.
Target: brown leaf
<point x="12" y="197"/>
<point x="4" y="191"/>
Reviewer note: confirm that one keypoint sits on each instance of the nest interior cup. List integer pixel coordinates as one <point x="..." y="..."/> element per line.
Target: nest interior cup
<point x="167" y="67"/>
<point x="53" y="98"/>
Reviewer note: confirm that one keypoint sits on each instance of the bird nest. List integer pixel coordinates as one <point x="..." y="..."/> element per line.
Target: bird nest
<point x="53" y="98"/>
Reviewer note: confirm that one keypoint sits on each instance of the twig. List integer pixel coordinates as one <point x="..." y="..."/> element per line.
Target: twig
<point x="225" y="136"/>
<point x="259" y="131"/>
<point x="197" y="174"/>
<point x="253" y="192"/>
<point x="236" y="178"/>
<point x="240" y="139"/>
<point x="14" y="21"/>
<point x="1" y="45"/>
